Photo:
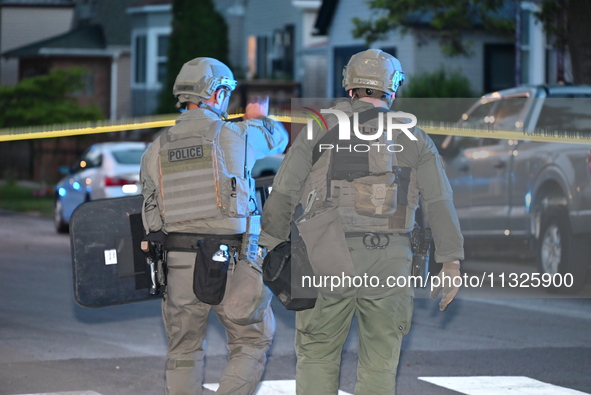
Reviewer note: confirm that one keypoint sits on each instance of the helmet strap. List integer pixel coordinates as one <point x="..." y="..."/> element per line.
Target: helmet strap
<point x="219" y="112"/>
<point x="359" y="93"/>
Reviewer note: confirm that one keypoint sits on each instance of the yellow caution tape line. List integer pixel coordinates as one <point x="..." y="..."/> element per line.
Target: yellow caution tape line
<point x="162" y="121"/>
<point x="543" y="136"/>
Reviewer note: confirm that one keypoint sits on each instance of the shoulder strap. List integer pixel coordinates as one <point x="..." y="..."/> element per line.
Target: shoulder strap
<point x="331" y="135"/>
<point x="215" y="129"/>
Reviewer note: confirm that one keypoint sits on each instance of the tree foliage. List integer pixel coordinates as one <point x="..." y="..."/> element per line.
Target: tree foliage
<point x="565" y="20"/>
<point x="198" y="30"/>
<point x="446" y="19"/>
<point x="44" y="100"/>
<point x="568" y="22"/>
<point x="440" y="83"/>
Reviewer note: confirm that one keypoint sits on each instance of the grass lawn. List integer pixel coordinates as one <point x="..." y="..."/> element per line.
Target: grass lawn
<point x="19" y="198"/>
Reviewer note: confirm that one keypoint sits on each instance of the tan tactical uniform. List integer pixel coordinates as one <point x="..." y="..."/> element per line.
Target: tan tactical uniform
<point x="185" y="317"/>
<point x="384" y="313"/>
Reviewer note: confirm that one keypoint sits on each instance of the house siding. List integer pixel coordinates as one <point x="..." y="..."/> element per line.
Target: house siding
<point x="341" y="35"/>
<point x="415" y="54"/>
<point x="262" y="18"/>
<point x="429" y="59"/>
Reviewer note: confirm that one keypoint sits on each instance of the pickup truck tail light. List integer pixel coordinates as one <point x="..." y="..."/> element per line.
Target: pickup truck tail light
<point x="118" y="181"/>
<point x="589" y="160"/>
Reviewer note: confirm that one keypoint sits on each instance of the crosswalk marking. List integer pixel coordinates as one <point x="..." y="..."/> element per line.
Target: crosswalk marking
<point x="67" y="393"/>
<point x="271" y="387"/>
<point x="500" y="385"/>
<point x="469" y="385"/>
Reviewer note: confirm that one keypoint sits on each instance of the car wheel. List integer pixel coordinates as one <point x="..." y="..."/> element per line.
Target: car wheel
<point x="61" y="226"/>
<point x="561" y="254"/>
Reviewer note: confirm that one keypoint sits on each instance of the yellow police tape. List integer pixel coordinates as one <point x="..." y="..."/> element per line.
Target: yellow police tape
<point x="161" y="121"/>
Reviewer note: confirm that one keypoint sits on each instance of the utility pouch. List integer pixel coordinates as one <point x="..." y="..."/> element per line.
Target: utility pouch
<point x="375" y="195"/>
<point x="325" y="240"/>
<point x="284" y="269"/>
<point x="236" y="194"/>
<point x="209" y="276"/>
<point x="246" y="297"/>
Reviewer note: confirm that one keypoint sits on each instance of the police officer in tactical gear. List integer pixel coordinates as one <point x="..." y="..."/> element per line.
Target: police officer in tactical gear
<point x="376" y="242"/>
<point x="196" y="181"/>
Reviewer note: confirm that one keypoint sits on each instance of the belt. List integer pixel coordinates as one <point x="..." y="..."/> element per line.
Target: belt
<point x="189" y="242"/>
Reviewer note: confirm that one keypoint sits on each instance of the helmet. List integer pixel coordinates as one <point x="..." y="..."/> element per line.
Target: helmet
<point x="373" y="69"/>
<point x="202" y="77"/>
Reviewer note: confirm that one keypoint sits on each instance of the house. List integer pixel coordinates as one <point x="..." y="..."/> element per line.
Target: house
<point x="151" y="22"/>
<point x="150" y="27"/>
<point x="26" y="21"/>
<point x="98" y="40"/>
<point x="490" y="67"/>
<point x="323" y="43"/>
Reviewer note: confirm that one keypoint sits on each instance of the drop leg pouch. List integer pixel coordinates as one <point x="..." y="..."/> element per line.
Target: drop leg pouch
<point x="246" y="297"/>
<point x="209" y="276"/>
<point x="325" y="240"/>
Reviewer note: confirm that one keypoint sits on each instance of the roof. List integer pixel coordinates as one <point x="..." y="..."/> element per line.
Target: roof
<point x="116" y="23"/>
<point x="98" y="25"/>
<point x="87" y="37"/>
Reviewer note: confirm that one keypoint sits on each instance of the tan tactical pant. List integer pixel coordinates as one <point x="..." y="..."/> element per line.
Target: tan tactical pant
<point x="185" y="319"/>
<point x="382" y="322"/>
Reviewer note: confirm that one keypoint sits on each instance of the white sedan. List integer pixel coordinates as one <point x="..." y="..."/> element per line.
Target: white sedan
<point x="105" y="170"/>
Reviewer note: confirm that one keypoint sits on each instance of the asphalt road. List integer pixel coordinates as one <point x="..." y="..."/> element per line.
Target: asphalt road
<point x="48" y="344"/>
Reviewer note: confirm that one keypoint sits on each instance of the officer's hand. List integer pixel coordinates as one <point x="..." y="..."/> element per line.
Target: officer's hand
<point x="257" y="110"/>
<point x="447" y="277"/>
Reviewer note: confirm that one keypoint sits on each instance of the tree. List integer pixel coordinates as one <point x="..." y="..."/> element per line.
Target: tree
<point x="41" y="100"/>
<point x="198" y="30"/>
<point x="45" y="100"/>
<point x="445" y="19"/>
<point x="568" y="22"/>
<point x="449" y="19"/>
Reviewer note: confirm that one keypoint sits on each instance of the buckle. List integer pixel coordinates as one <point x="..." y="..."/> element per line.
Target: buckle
<point x="376" y="241"/>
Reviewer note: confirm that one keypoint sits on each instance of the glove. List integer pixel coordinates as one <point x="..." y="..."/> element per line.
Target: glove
<point x="268" y="241"/>
<point x="447" y="277"/>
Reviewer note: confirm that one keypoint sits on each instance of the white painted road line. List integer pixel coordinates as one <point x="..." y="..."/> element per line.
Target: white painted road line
<point x="271" y="387"/>
<point x="66" y="393"/>
<point x="500" y="385"/>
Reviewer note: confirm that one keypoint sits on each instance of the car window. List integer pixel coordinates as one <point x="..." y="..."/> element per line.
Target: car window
<point x="90" y="158"/>
<point x="93" y="158"/>
<point x="478" y="116"/>
<point x="570" y="114"/>
<point x="128" y="157"/>
<point x="508" y="113"/>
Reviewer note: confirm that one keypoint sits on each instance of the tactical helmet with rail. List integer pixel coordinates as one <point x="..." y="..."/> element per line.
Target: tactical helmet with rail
<point x="374" y="70"/>
<point x="200" y="78"/>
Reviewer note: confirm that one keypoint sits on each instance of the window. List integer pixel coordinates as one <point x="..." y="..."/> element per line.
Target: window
<point x="499" y="61"/>
<point x="341" y="58"/>
<point x="162" y="53"/>
<point x="478" y="117"/>
<point x="128" y="157"/>
<point x="140" y="59"/>
<point x="566" y="114"/>
<point x="261" y="59"/>
<point x="508" y="113"/>
<point x="150" y="57"/>
<point x="87" y="88"/>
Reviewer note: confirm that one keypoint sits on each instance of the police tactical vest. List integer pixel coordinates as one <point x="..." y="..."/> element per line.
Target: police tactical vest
<point x="362" y="178"/>
<point x="195" y="183"/>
